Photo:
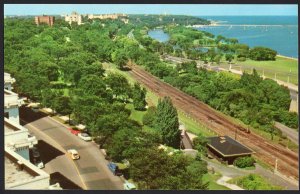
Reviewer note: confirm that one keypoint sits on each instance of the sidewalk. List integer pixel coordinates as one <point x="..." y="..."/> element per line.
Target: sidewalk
<point x="223" y="181"/>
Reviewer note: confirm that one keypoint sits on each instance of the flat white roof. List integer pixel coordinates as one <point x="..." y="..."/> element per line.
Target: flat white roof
<point x="19" y="171"/>
<point x="13" y="174"/>
<point x="11" y="126"/>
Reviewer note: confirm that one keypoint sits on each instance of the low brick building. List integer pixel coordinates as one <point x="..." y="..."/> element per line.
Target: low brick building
<point x="227" y="149"/>
<point x="44" y="20"/>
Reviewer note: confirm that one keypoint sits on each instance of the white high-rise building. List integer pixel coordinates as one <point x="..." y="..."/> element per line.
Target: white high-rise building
<point x="74" y="17"/>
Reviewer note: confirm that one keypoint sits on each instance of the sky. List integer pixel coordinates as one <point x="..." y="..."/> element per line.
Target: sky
<point x="184" y="9"/>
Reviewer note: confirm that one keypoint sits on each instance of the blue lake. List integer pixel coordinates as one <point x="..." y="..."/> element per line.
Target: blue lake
<point x="159" y="35"/>
<point x="283" y="38"/>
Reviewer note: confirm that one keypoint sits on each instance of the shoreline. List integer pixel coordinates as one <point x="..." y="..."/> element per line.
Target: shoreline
<point x="286" y="57"/>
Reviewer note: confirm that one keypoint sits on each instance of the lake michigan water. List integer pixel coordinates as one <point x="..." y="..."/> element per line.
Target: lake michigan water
<point x="282" y="38"/>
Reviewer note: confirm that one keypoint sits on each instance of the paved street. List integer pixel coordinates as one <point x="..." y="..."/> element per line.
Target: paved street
<point x="89" y="172"/>
<point x="292" y="134"/>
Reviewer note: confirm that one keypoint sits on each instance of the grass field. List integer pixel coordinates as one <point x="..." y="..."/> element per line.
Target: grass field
<point x="135" y="114"/>
<point x="285" y="69"/>
<point x="268" y="183"/>
<point x="212" y="178"/>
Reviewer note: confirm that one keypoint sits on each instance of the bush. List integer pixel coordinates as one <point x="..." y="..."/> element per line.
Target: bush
<point x="262" y="54"/>
<point x="256" y="182"/>
<point x="241" y="59"/>
<point x="243" y="162"/>
<point x="149" y="117"/>
<point x="200" y="143"/>
<point x="100" y="140"/>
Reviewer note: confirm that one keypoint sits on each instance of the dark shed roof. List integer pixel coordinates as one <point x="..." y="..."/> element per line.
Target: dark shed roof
<point x="227" y="146"/>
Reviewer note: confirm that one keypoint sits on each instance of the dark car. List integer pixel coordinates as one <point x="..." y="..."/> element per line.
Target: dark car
<point x="114" y="169"/>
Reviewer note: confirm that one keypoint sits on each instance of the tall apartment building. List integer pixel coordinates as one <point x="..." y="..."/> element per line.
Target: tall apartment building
<point x="17" y="138"/>
<point x="45" y="19"/>
<point x="106" y="16"/>
<point x="74" y="17"/>
<point x="20" y="173"/>
<point x="11" y="106"/>
<point x="8" y="81"/>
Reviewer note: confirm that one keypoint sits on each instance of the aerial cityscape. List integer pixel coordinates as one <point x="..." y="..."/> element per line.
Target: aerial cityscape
<point x="151" y="97"/>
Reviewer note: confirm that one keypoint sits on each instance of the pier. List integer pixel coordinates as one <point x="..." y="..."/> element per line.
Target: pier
<point x="241" y="25"/>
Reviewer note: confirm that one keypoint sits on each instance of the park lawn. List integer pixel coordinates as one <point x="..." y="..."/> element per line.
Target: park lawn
<point x="212" y="178"/>
<point x="194" y="127"/>
<point x="282" y="67"/>
<point x="259" y="179"/>
<point x="135" y="114"/>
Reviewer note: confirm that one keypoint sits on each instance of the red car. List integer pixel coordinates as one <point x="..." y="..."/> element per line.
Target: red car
<point x="73" y="131"/>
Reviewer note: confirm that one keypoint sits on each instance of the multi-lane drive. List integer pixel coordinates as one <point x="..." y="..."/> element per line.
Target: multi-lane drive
<point x="89" y="172"/>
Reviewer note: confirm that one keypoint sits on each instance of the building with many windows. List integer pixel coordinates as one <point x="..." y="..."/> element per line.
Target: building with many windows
<point x="44" y="20"/>
<point x="11" y="106"/>
<point x="74" y="17"/>
<point x="16" y="137"/>
<point x="8" y="81"/>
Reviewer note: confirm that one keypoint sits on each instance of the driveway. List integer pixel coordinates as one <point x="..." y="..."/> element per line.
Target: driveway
<point x="292" y="134"/>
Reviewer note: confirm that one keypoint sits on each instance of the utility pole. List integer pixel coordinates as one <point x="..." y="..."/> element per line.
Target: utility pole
<point x="276" y="165"/>
<point x="235" y="136"/>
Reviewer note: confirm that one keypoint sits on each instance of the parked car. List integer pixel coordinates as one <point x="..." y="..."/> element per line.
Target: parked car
<point x="74" y="131"/>
<point x="114" y="169"/>
<point x="129" y="186"/>
<point x="73" y="154"/>
<point x="85" y="136"/>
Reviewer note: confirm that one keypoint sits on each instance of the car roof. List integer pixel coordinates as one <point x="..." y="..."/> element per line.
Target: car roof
<point x="130" y="185"/>
<point x="73" y="151"/>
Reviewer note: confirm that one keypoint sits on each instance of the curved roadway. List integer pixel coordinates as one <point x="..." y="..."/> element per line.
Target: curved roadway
<point x="89" y="172"/>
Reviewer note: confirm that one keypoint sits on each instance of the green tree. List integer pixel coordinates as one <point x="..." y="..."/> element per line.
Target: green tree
<point x="229" y="57"/>
<point x="149" y="117"/>
<point x="167" y="122"/>
<point x="62" y="104"/>
<point x="139" y="97"/>
<point x="200" y="144"/>
<point x="119" y="86"/>
<point x="262" y="54"/>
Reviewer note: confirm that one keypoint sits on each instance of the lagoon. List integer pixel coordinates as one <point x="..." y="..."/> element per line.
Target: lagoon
<point x="159" y="35"/>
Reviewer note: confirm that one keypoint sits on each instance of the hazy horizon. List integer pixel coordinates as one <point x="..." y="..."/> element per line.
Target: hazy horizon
<point x="170" y="9"/>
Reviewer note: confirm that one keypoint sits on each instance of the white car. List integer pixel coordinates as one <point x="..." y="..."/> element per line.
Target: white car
<point x="73" y="154"/>
<point x="84" y="136"/>
<point x="129" y="186"/>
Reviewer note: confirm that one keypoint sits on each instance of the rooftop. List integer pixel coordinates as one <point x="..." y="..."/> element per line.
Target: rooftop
<point x="227" y="146"/>
<point x="9" y="126"/>
<point x="8" y="78"/>
<point x="13" y="173"/>
<point x="20" y="173"/>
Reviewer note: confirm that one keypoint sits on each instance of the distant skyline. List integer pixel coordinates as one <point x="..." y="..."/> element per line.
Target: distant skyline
<point x="175" y="9"/>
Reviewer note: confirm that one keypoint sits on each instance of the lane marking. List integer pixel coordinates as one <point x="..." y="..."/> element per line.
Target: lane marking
<point x="73" y="162"/>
